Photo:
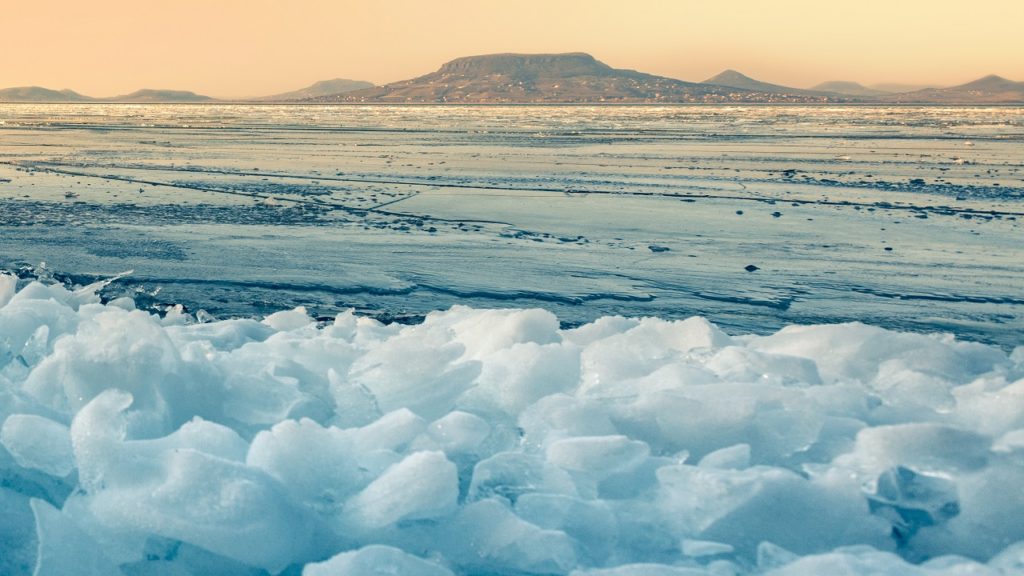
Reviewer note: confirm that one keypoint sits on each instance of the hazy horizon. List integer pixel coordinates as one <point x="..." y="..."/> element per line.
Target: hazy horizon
<point x="238" y="49"/>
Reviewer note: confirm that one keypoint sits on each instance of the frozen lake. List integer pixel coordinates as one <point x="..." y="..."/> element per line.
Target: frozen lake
<point x="906" y="218"/>
<point x="467" y="440"/>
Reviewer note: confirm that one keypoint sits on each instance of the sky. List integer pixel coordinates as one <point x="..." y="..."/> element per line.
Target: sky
<point x="242" y="48"/>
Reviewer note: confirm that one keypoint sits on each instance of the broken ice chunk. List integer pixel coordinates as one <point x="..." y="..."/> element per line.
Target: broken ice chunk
<point x="18" y="541"/>
<point x="423" y="486"/>
<point x="771" y="556"/>
<point x="64" y="548"/>
<point x="322" y="482"/>
<point x="288" y="320"/>
<point x="509" y="475"/>
<point x="488" y="538"/>
<point x="591" y="523"/>
<point x="38" y="443"/>
<point x="599" y="456"/>
<point x="459" y="432"/>
<point x="375" y="561"/>
<point x="7" y="288"/>
<point x="418" y="369"/>
<point x="734" y="457"/>
<point x="392" y="431"/>
<point x="645" y="569"/>
<point x="702" y="548"/>
<point x="911" y="500"/>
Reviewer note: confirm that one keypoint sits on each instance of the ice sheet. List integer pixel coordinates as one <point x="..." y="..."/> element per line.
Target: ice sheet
<point x="903" y="217"/>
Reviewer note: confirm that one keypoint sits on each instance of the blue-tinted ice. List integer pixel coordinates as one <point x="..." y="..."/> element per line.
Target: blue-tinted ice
<point x="902" y="217"/>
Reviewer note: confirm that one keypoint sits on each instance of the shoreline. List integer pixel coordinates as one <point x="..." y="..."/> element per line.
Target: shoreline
<point x="548" y="104"/>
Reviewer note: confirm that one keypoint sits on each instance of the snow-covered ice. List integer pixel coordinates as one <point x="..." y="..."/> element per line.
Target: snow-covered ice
<point x="496" y="442"/>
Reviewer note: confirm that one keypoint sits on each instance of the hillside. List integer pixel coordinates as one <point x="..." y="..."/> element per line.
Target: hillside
<point x="895" y="87"/>
<point x="548" y="78"/>
<point x="572" y="78"/>
<point x="988" y="90"/>
<point x="318" y="89"/>
<point x="848" y="89"/>
<point x="734" y="79"/>
<point x="39" y="94"/>
<point x="158" y="96"/>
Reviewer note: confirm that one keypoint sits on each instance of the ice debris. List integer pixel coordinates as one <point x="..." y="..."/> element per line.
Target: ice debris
<point x="494" y="442"/>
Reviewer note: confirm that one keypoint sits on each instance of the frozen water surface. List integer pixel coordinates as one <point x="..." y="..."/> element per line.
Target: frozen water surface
<point x="619" y="398"/>
<point x="908" y="218"/>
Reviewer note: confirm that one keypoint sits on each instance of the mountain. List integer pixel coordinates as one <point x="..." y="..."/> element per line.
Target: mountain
<point x="547" y="78"/>
<point x="38" y="94"/>
<point x="848" y="89"/>
<point x="988" y="90"/>
<point x="572" y="78"/>
<point x="734" y="79"/>
<point x="322" y="88"/>
<point x="157" y="96"/>
<point x="894" y="88"/>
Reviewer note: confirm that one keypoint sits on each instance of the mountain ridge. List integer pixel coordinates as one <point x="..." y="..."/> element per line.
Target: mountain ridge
<point x="573" y="78"/>
<point x="569" y="78"/>
<point x="317" y="89"/>
<point x="735" y="79"/>
<point x="848" y="88"/>
<point x="991" y="89"/>
<point x="151" y="95"/>
<point x="897" y="87"/>
<point x="40" y="94"/>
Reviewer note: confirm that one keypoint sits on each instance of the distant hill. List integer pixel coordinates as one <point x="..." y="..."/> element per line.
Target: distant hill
<point x="38" y="94"/>
<point x="736" y="79"/>
<point x="572" y="78"/>
<point x="848" y="89"/>
<point x="988" y="90"/>
<point x="158" y="96"/>
<point x="895" y="88"/>
<point x="322" y="88"/>
<point x="547" y="78"/>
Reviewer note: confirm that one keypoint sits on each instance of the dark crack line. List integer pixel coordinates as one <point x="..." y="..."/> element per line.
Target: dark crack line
<point x="49" y="166"/>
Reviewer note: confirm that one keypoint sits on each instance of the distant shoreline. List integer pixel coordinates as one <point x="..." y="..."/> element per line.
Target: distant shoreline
<point x="546" y="104"/>
<point x="566" y="79"/>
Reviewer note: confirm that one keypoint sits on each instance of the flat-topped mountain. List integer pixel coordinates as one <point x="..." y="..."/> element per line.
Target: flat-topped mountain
<point x="848" y="89"/>
<point x="549" y="78"/>
<point x="735" y="79"/>
<point x="528" y="66"/>
<point x="156" y="96"/>
<point x="991" y="89"/>
<point x="322" y="88"/>
<point x="39" y="94"/>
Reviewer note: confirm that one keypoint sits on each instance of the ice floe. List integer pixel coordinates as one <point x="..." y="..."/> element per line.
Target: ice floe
<point x="496" y="442"/>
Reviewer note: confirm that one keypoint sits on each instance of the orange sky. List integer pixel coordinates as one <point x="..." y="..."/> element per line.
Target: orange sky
<point x="238" y="48"/>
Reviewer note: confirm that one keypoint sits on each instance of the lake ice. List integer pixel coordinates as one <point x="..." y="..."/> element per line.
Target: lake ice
<point x="613" y="393"/>
<point x="907" y="218"/>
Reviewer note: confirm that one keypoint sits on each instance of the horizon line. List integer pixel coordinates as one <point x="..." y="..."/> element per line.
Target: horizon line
<point x="916" y="86"/>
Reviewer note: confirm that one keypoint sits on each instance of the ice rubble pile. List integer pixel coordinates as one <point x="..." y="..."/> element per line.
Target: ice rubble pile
<point x="492" y="442"/>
